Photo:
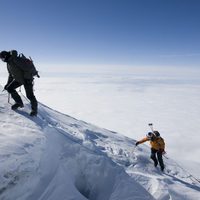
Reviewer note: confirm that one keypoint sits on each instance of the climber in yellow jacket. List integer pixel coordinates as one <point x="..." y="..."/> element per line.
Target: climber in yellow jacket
<point x="157" y="147"/>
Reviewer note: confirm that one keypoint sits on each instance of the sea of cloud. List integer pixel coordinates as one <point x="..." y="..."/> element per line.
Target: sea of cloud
<point x="125" y="100"/>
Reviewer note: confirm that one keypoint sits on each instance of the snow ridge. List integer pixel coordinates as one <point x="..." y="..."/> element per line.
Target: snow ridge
<point x="54" y="156"/>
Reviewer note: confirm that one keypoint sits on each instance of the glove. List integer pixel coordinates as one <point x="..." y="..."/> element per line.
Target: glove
<point x="162" y="151"/>
<point x="137" y="143"/>
<point x="5" y="87"/>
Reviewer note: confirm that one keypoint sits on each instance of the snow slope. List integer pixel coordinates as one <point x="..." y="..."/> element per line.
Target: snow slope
<point x="54" y="156"/>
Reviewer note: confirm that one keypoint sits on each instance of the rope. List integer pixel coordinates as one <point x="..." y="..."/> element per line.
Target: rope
<point x="191" y="177"/>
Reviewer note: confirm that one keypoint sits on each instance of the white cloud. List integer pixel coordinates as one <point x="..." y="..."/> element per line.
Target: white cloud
<point x="126" y="100"/>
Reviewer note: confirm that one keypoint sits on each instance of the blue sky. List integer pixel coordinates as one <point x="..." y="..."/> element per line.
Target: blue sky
<point x="104" y="32"/>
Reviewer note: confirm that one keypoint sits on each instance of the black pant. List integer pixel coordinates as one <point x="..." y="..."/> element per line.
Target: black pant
<point x="28" y="86"/>
<point x="156" y="156"/>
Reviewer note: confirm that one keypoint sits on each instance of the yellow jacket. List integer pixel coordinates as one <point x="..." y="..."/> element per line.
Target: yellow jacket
<point x="156" y="143"/>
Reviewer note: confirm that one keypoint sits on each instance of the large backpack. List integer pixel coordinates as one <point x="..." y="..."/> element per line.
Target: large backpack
<point x="27" y="63"/>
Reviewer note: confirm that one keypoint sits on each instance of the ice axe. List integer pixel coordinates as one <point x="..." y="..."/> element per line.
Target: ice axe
<point x="151" y="126"/>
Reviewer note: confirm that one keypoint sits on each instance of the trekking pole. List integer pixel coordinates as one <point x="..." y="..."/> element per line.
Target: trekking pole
<point x="8" y="95"/>
<point x="165" y="156"/>
<point x="9" y="98"/>
<point x="134" y="148"/>
<point x="132" y="151"/>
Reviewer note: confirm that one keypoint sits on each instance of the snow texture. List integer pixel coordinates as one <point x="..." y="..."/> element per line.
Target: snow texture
<point x="54" y="156"/>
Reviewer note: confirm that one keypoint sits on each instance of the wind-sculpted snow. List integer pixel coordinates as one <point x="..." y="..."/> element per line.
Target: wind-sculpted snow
<point x="42" y="159"/>
<point x="54" y="156"/>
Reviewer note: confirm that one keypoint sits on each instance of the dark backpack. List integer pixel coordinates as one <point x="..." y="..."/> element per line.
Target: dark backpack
<point x="27" y="63"/>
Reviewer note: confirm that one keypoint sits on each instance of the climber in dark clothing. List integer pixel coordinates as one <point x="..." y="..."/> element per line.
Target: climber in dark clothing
<point x="19" y="74"/>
